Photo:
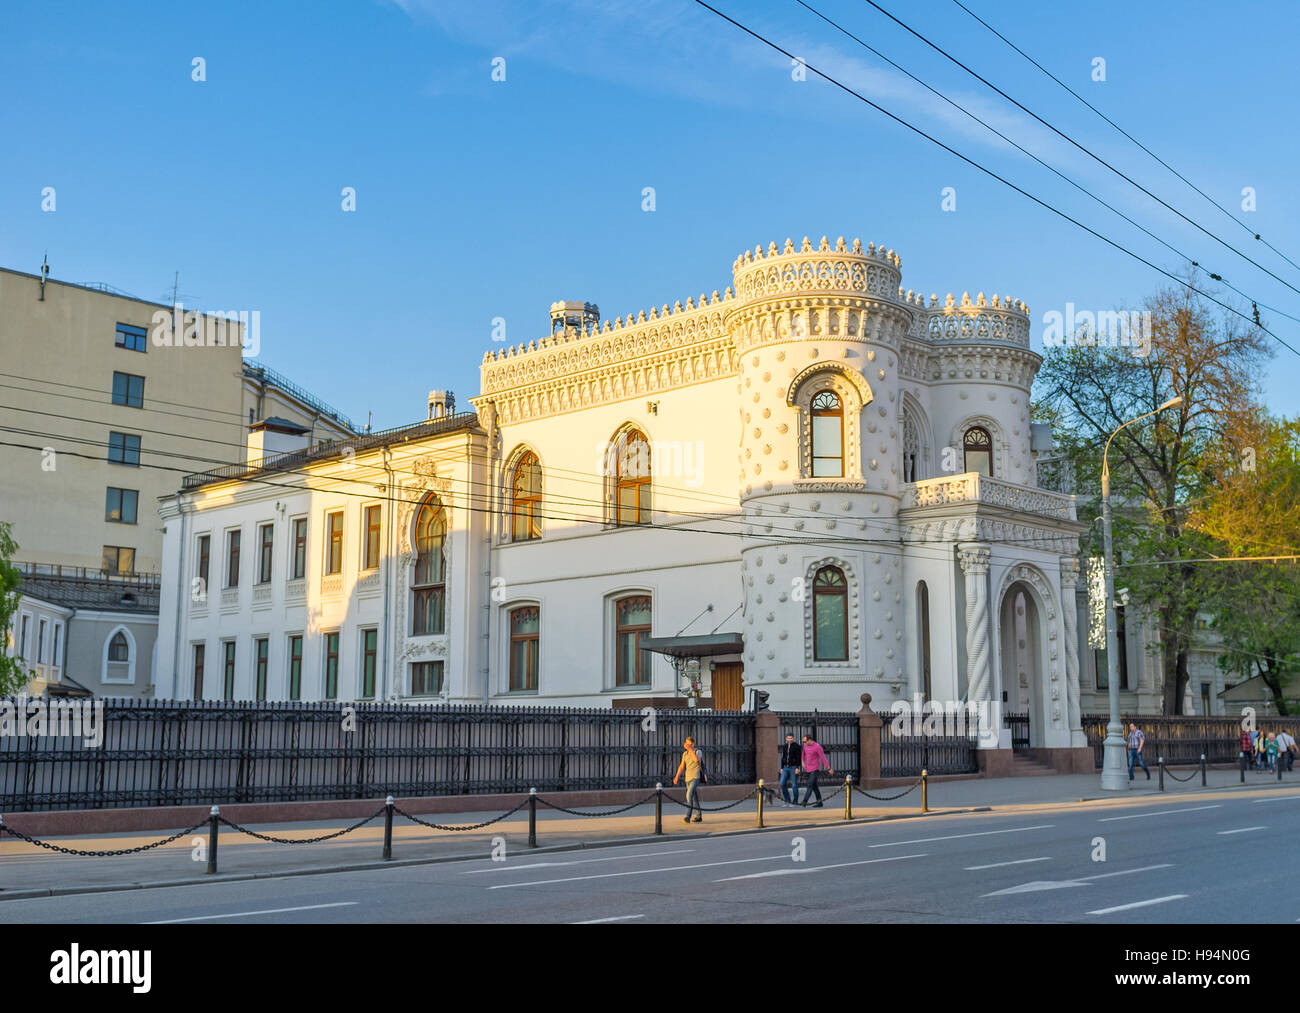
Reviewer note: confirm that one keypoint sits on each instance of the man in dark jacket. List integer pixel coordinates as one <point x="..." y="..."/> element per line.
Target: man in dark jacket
<point x="791" y="758"/>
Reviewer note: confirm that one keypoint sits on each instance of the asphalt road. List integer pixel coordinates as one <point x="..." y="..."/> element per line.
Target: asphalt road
<point x="1207" y="859"/>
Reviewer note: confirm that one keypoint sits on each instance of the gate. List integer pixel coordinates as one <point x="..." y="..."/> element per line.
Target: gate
<point x="1019" y="725"/>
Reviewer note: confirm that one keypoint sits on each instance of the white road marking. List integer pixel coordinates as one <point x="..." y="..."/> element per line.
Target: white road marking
<point x="507" y="867"/>
<point x="1039" y="885"/>
<point x="999" y="865"/>
<point x="953" y="837"/>
<point x="602" y="921"/>
<point x="1278" y="798"/>
<point x="640" y="872"/>
<point x="815" y="868"/>
<point x="1159" y="812"/>
<point x="246" y="914"/>
<point x="1242" y="830"/>
<point x="1139" y="903"/>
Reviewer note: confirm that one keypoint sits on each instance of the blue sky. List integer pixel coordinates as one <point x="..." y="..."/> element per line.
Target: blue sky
<point x="479" y="199"/>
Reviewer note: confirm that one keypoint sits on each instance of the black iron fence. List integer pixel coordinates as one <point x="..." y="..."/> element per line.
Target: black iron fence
<point x="163" y="753"/>
<point x="1018" y="725"/>
<point x="1182" y="740"/>
<point x="946" y="745"/>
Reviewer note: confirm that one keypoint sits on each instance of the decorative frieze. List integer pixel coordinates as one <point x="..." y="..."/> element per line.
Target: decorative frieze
<point x="973" y="487"/>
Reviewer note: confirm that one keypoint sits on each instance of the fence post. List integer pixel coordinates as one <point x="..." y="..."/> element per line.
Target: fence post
<point x="212" y="840"/>
<point x="869" y="732"/>
<point x="1203" y="783"/>
<point x="659" y="807"/>
<point x="925" y="790"/>
<point x="1161" y="764"/>
<point x="532" y="817"/>
<point x="848" y="796"/>
<point x="388" y="829"/>
<point x="760" y="802"/>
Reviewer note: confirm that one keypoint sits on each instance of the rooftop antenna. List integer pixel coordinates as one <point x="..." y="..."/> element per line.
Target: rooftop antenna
<point x="45" y="273"/>
<point x="369" y="420"/>
<point x="176" y="293"/>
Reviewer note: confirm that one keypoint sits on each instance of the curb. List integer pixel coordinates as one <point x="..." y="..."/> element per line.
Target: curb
<point x="1271" y="786"/>
<point x="243" y="877"/>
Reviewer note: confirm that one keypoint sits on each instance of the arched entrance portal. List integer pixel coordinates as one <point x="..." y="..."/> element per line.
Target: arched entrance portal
<point x="1020" y="625"/>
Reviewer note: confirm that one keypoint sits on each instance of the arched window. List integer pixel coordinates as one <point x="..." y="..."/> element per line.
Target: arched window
<point x="632" y="480"/>
<point x="631" y="623"/>
<point x="429" y="585"/>
<point x="118" y="648"/>
<point x="827" y="435"/>
<point x="911" y="449"/>
<point x="526" y="499"/>
<point x="830" y="615"/>
<point x="525" y="642"/>
<point x="978" y="451"/>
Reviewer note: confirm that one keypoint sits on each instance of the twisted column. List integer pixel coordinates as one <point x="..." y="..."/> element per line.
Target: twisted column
<point x="1070" y="613"/>
<point x="975" y="564"/>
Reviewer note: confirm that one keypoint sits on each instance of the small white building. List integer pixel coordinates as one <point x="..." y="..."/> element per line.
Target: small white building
<point x="835" y="469"/>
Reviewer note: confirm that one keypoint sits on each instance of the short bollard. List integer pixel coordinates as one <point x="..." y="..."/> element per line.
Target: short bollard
<point x="925" y="791"/>
<point x="212" y="840"/>
<point x="1161" y="764"/>
<point x="388" y="829"/>
<point x="1203" y="783"/>
<point x="1243" y="768"/>
<point x="760" y="801"/>
<point x="532" y="817"/>
<point x="659" y="807"/>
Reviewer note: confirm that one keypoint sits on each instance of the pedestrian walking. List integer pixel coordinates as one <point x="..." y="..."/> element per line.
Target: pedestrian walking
<point x="1286" y="749"/>
<point x="791" y="758"/>
<point x="1136" y="743"/>
<point x="1261" y="751"/>
<point x="692" y="766"/>
<point x="1247" y="749"/>
<point x="813" y="760"/>
<point x="1270" y="747"/>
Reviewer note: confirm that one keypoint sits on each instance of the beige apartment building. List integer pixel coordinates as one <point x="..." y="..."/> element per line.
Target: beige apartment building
<point x="107" y="400"/>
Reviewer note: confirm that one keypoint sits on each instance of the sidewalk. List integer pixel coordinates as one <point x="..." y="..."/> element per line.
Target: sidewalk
<point x="25" y="867"/>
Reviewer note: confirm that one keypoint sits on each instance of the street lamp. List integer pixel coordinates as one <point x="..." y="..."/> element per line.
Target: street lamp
<point x="1114" y="765"/>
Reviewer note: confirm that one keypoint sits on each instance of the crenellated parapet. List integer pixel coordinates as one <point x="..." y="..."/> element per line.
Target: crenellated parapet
<point x="981" y="320"/>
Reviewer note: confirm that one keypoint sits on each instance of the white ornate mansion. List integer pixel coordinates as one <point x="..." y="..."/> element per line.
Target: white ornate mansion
<point x="816" y="483"/>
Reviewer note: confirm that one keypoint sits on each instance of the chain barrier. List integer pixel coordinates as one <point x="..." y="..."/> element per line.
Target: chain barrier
<point x="303" y="840"/>
<point x="468" y="826"/>
<point x="714" y="809"/>
<point x="607" y="812"/>
<point x="1177" y="778"/>
<point x="824" y="798"/>
<point x="888" y="798"/>
<point x="91" y="854"/>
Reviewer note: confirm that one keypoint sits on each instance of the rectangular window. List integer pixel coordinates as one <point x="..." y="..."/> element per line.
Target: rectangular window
<point x="426" y="678"/>
<point x="299" y="549"/>
<point x="124" y="449"/>
<point x="369" y="657"/>
<point x="334" y="543"/>
<point x="232" y="557"/>
<point x="205" y="553"/>
<point x="371" y="559"/>
<point x="40" y="641"/>
<point x="1121" y="643"/>
<point x="262" y="646"/>
<point x="131" y="338"/>
<point x="120" y="505"/>
<point x="58" y="642"/>
<point x="525" y="628"/>
<point x="331" y="666"/>
<point x="632" y="622"/>
<point x="22" y="636"/>
<point x="295" y="668"/>
<point x="128" y="389"/>
<point x="118" y="559"/>
<point x="266" y="537"/>
<point x="199" y="651"/>
<point x="228" y="675"/>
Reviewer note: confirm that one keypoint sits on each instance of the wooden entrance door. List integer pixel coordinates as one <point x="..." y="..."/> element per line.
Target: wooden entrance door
<point x="728" y="686"/>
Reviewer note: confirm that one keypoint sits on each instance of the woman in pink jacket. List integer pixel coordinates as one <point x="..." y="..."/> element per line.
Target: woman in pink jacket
<point x="814" y="760"/>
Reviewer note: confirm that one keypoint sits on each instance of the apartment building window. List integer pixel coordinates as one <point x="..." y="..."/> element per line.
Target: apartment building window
<point x="120" y="505"/>
<point x="261" y="647"/>
<point x="232" y="557"/>
<point x="124" y="449"/>
<point x="299" y="567"/>
<point x="131" y="338"/>
<point x="295" y="667"/>
<point x="58" y="642"/>
<point x="334" y="543"/>
<point x="40" y="641"/>
<point x="331" y="666"/>
<point x="128" y="389"/>
<point x="265" y="541"/>
<point x="525" y="629"/>
<point x="371" y="559"/>
<point x="205" y="553"/>
<point x="228" y="674"/>
<point x="632" y="622"/>
<point x="22" y="635"/>
<point x="119" y="559"/>
<point x="369" y="658"/>
<point x="426" y="678"/>
<point x="199" y="651"/>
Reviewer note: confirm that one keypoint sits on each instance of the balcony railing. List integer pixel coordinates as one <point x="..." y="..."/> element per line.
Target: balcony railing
<point x="974" y="488"/>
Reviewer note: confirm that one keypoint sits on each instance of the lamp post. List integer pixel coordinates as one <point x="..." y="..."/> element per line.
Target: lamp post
<point x="1114" y="766"/>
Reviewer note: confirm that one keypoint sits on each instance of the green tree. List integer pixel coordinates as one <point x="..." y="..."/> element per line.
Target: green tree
<point x="12" y="675"/>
